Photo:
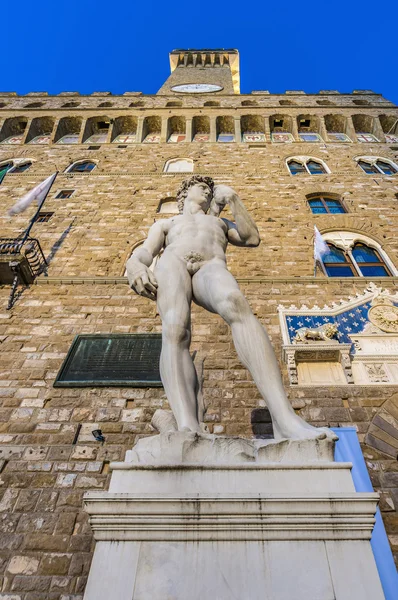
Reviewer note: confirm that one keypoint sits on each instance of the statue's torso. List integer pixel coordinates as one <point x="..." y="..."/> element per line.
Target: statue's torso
<point x="199" y="234"/>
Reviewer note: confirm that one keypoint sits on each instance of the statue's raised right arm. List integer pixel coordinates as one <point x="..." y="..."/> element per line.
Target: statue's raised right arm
<point x="242" y="232"/>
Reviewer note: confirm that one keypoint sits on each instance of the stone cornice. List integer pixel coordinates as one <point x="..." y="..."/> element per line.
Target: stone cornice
<point x="88" y="280"/>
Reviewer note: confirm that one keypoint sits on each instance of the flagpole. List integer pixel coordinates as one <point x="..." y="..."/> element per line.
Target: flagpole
<point x="32" y="222"/>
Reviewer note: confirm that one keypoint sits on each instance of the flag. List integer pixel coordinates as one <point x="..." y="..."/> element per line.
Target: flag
<point x="320" y="248"/>
<point x="38" y="193"/>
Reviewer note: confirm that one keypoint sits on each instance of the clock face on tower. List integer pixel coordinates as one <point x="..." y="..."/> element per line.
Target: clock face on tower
<point x="196" y="88"/>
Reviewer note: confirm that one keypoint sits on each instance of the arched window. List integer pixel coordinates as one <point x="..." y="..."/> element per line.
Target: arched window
<point x="308" y="165"/>
<point x="369" y="262"/>
<point x="81" y="166"/>
<point x="4" y="168"/>
<point x="179" y="165"/>
<point x="324" y="204"/>
<point x="14" y="166"/>
<point x="315" y="168"/>
<point x="296" y="167"/>
<point x="355" y="255"/>
<point x="377" y="165"/>
<point x="337" y="263"/>
<point x="21" y="167"/>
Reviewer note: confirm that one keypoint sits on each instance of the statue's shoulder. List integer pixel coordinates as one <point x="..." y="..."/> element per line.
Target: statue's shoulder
<point x="167" y="224"/>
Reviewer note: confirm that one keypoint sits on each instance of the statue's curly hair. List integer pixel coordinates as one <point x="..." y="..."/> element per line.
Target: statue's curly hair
<point x="188" y="183"/>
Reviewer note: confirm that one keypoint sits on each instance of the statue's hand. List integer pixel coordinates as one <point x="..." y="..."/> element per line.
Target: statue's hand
<point x="142" y="280"/>
<point x="223" y="194"/>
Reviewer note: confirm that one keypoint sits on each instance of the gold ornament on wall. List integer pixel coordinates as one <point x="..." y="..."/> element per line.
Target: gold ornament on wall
<point x="384" y="314"/>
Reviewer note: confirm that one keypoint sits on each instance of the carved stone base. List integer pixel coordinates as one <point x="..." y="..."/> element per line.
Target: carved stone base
<point x="196" y="516"/>
<point x="177" y="448"/>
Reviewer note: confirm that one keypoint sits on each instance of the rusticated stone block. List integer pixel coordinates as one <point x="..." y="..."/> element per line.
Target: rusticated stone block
<point x="23" y="565"/>
<point x="55" y="564"/>
<point x="22" y="583"/>
<point x="42" y="542"/>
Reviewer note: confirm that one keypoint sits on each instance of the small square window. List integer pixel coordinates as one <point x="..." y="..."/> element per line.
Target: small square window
<point x="44" y="217"/>
<point x="64" y="194"/>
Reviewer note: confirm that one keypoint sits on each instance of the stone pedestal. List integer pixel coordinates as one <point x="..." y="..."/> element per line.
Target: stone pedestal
<point x="192" y="517"/>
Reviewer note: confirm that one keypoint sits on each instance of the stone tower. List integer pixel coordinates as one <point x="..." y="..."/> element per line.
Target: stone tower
<point x="203" y="71"/>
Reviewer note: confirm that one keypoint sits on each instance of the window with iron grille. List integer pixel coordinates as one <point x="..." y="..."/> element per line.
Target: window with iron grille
<point x="44" y="217"/>
<point x="64" y="194"/>
<point x="112" y="360"/>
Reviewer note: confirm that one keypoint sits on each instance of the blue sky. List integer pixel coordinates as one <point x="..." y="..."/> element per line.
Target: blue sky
<point x="76" y="45"/>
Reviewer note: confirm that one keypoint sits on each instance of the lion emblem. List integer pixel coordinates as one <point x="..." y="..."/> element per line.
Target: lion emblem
<point x="323" y="333"/>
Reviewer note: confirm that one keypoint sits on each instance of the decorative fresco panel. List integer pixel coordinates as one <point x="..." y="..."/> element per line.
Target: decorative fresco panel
<point x="338" y="137"/>
<point x="41" y="139"/>
<point x="152" y="138"/>
<point x="310" y="137"/>
<point x="176" y="138"/>
<point x="70" y="138"/>
<point x="225" y="137"/>
<point x="202" y="137"/>
<point x="253" y="137"/>
<point x="125" y="138"/>
<point x="366" y="138"/>
<point x="97" y="138"/>
<point x="13" y="139"/>
<point x="282" y="138"/>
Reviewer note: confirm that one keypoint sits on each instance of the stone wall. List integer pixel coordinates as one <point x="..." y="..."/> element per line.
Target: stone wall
<point x="48" y="461"/>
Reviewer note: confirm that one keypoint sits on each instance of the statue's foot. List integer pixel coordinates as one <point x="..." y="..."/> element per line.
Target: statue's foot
<point x="190" y="429"/>
<point x="298" y="429"/>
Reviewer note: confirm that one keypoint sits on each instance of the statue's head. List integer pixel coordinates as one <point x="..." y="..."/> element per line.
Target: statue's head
<point x="200" y="190"/>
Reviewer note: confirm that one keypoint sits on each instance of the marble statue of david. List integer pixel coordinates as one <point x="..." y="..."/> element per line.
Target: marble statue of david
<point x="193" y="266"/>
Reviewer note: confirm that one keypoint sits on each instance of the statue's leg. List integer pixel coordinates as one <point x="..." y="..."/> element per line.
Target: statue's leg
<point x="176" y="367"/>
<point x="215" y="289"/>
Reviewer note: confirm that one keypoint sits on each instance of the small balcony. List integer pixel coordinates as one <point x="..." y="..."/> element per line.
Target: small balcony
<point x="21" y="261"/>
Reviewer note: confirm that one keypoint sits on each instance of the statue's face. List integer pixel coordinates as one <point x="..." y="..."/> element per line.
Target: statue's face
<point x="200" y="194"/>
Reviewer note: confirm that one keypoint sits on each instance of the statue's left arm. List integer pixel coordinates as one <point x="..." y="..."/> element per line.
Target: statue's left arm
<point x="242" y="232"/>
